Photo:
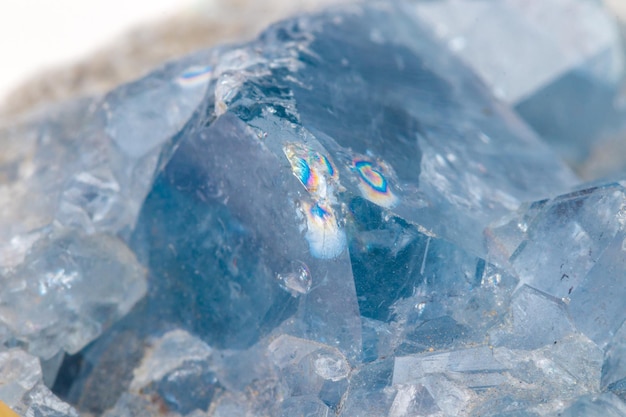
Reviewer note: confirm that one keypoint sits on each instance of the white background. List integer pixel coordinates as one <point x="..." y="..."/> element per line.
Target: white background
<point x="38" y="34"/>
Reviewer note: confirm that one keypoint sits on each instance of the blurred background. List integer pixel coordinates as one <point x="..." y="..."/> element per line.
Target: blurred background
<point x="53" y="50"/>
<point x="56" y="50"/>
<point x="559" y="63"/>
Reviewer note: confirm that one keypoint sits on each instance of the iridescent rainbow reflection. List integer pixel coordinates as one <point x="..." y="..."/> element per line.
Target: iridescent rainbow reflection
<point x="326" y="240"/>
<point x="310" y="178"/>
<point x="194" y="76"/>
<point x="373" y="183"/>
<point x="313" y="170"/>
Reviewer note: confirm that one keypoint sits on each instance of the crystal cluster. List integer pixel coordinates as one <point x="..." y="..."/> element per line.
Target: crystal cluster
<point x="336" y="219"/>
<point x="23" y="390"/>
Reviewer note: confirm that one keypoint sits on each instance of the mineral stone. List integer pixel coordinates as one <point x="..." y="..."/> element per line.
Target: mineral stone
<point x="67" y="273"/>
<point x="22" y="388"/>
<point x="559" y="62"/>
<point x="571" y="248"/>
<point x="337" y="218"/>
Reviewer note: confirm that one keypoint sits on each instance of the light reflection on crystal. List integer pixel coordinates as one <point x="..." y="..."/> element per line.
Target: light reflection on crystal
<point x="194" y="76"/>
<point x="373" y="182"/>
<point x="326" y="239"/>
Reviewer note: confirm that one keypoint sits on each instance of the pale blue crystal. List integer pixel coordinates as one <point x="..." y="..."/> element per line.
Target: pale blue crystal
<point x="22" y="388"/>
<point x="304" y="406"/>
<point x="537" y="320"/>
<point x="559" y="63"/>
<point x="571" y="247"/>
<point x="605" y="405"/>
<point x="337" y="218"/>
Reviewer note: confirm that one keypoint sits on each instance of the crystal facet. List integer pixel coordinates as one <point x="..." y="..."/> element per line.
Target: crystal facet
<point x="22" y="388"/>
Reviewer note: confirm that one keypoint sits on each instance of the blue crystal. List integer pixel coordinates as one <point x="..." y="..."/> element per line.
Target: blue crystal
<point x="559" y="64"/>
<point x="231" y="175"/>
<point x="604" y="405"/>
<point x="571" y="248"/>
<point x="335" y="218"/>
<point x="290" y="211"/>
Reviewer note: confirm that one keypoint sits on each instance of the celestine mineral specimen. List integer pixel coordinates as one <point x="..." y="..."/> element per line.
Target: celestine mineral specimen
<point x="336" y="219"/>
